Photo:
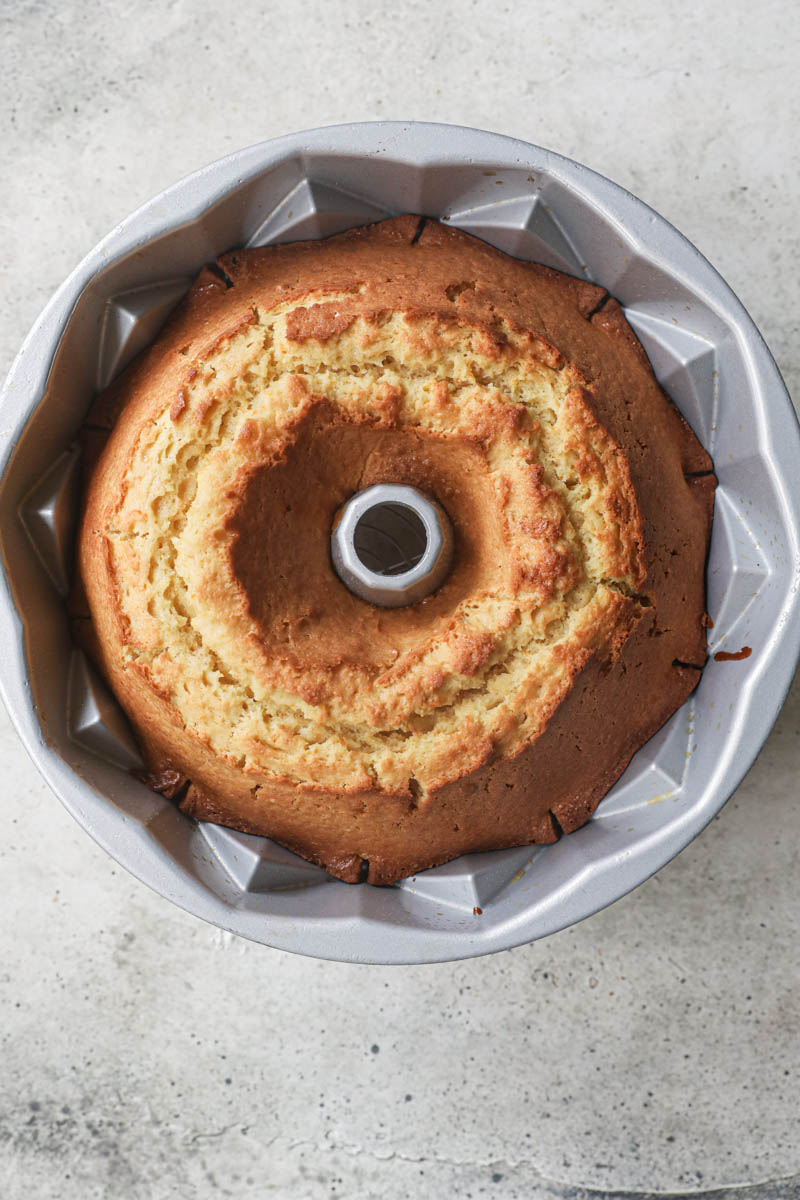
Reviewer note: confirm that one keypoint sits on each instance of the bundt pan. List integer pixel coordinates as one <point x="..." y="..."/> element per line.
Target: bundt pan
<point x="706" y="353"/>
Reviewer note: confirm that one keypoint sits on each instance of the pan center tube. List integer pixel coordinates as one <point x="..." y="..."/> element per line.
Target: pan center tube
<point x="392" y="545"/>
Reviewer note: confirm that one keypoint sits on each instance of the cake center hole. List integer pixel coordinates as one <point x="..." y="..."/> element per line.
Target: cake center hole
<point x="390" y="539"/>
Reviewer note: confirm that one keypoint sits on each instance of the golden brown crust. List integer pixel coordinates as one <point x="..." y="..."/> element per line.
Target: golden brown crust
<point x="572" y="625"/>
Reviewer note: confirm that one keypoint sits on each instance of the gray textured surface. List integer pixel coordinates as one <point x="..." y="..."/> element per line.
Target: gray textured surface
<point x="654" y="1048"/>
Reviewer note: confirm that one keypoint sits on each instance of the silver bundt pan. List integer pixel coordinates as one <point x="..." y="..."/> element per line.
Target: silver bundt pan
<point x="706" y="352"/>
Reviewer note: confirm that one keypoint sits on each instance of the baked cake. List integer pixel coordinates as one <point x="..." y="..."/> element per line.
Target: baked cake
<point x="496" y="712"/>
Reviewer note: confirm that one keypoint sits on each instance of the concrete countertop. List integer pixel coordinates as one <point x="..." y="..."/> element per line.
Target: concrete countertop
<point x="654" y="1049"/>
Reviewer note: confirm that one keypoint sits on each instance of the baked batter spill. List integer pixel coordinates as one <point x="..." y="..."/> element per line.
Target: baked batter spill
<point x="499" y="710"/>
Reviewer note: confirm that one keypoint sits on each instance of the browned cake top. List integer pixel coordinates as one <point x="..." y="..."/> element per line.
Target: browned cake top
<point x="377" y="356"/>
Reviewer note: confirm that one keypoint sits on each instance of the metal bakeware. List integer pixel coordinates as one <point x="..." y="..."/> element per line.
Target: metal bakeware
<point x="392" y="545"/>
<point x="707" y="354"/>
